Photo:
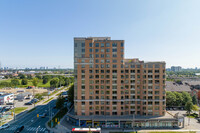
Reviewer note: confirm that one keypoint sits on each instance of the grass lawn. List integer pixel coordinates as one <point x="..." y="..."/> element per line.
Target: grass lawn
<point x="31" y="110"/>
<point x="5" y="80"/>
<point x="48" y="100"/>
<point x="19" y="109"/>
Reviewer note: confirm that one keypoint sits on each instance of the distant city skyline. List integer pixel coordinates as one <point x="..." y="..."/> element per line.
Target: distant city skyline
<point x="40" y="33"/>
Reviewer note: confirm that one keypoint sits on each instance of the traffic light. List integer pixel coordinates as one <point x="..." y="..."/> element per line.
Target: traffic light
<point x="37" y="115"/>
<point x="12" y="113"/>
<point x="58" y="123"/>
<point x="56" y="120"/>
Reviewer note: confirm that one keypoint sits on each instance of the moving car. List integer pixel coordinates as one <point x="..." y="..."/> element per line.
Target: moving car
<point x="19" y="129"/>
<point x="44" y="115"/>
<point x="4" y="126"/>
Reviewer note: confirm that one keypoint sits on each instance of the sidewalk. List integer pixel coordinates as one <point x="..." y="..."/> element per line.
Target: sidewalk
<point x="59" y="128"/>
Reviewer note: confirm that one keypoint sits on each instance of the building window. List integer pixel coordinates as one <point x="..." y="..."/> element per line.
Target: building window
<point x="90" y="44"/>
<point x="102" y="44"/>
<point x="83" y="44"/>
<point x="90" y="50"/>
<point x="102" y="55"/>
<point x="97" y="56"/>
<point x="114" y="55"/>
<point x="107" y="44"/>
<point x="96" y="50"/>
<point x="114" y="44"/>
<point x="107" y="50"/>
<point x="114" y="66"/>
<point x="122" y="44"/>
<point x="97" y="45"/>
<point x="102" y="50"/>
<point x="91" y="56"/>
<point x="75" y="44"/>
<point x="114" y="50"/>
<point x="107" y="55"/>
<point x="83" y="50"/>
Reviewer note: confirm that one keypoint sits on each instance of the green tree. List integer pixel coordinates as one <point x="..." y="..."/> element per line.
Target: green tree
<point x="179" y="99"/>
<point x="29" y="76"/>
<point x="170" y="98"/>
<point x="60" y="102"/>
<point x="61" y="81"/>
<point x="45" y="81"/>
<point x="21" y="76"/>
<point x="39" y="96"/>
<point x="38" y="76"/>
<point x="24" y="82"/>
<point x="195" y="108"/>
<point x="71" y="94"/>
<point x="194" y="99"/>
<point x="188" y="107"/>
<point x="15" y="82"/>
<point x="186" y="98"/>
<point x="54" y="82"/>
<point x="67" y="81"/>
<point x="35" y="82"/>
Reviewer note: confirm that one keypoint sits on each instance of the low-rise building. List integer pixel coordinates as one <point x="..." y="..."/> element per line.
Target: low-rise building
<point x="24" y="95"/>
<point x="6" y="98"/>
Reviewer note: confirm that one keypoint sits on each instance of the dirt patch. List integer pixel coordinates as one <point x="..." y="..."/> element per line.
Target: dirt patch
<point x="11" y="90"/>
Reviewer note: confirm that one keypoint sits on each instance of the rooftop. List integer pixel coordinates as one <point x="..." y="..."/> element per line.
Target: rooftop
<point x="5" y="94"/>
<point x="172" y="86"/>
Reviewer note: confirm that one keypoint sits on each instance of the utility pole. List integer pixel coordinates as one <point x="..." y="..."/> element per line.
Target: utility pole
<point x="14" y="107"/>
<point x="34" y="94"/>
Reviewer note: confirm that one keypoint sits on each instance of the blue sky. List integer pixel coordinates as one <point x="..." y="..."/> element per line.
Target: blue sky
<point x="36" y="33"/>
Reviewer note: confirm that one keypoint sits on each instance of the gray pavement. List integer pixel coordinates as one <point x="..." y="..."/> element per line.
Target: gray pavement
<point x="30" y="121"/>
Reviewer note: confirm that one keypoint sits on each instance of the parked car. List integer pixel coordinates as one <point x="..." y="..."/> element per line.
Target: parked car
<point x="28" y="103"/>
<point x="34" y="100"/>
<point x="9" y="103"/>
<point x="19" y="129"/>
<point x="20" y="100"/>
<point x="198" y="119"/>
<point x="4" y="126"/>
<point x="27" y="98"/>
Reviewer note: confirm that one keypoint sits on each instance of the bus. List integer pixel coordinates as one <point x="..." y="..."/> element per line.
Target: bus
<point x="86" y="130"/>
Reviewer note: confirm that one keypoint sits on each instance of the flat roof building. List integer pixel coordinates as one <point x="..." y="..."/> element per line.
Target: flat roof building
<point x="108" y="85"/>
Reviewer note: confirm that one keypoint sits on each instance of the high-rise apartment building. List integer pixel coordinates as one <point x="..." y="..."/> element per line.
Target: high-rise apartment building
<point x="107" y="84"/>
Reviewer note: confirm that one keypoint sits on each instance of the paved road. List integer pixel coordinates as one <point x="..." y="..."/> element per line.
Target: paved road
<point x="30" y="120"/>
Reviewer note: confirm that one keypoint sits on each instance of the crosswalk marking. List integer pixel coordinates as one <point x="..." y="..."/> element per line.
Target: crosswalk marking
<point x="27" y="128"/>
